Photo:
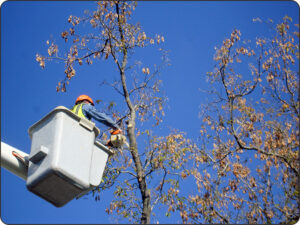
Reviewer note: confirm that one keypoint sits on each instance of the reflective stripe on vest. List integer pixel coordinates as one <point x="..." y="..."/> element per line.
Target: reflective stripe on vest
<point x="77" y="109"/>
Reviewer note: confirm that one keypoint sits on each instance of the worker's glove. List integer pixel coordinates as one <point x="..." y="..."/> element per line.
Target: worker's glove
<point x="117" y="131"/>
<point x="117" y="139"/>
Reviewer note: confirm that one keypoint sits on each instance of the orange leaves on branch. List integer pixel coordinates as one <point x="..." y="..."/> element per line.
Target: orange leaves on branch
<point x="183" y="175"/>
<point x="235" y="36"/>
<point x="72" y="31"/>
<point x="70" y="19"/>
<point x="93" y="22"/>
<point x="281" y="29"/>
<point x="233" y="185"/>
<point x="108" y="51"/>
<point x="70" y="72"/>
<point x="40" y="59"/>
<point x="159" y="39"/>
<point x="74" y="51"/>
<point x="141" y="39"/>
<point x="266" y="66"/>
<point x="146" y="70"/>
<point x="240" y="170"/>
<point x="260" y="42"/>
<point x="184" y="216"/>
<point x="208" y="120"/>
<point x="61" y="87"/>
<point x="173" y="191"/>
<point x="243" y="51"/>
<point x="53" y="49"/>
<point x="74" y="20"/>
<point x="144" y="37"/>
<point x="64" y="35"/>
<point x="253" y="182"/>
<point x="89" y="61"/>
<point x="75" y="40"/>
<point x="83" y="42"/>
<point x="97" y="54"/>
<point x="172" y="151"/>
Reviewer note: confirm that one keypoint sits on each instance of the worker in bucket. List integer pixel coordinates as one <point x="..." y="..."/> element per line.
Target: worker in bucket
<point x="84" y="107"/>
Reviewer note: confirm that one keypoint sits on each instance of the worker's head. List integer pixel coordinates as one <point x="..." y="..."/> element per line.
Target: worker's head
<point x="83" y="98"/>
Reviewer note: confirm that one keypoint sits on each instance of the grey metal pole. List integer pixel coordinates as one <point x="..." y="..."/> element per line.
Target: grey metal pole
<point x="11" y="163"/>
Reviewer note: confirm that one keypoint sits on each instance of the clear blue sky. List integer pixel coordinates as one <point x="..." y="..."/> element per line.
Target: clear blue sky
<point x="191" y="29"/>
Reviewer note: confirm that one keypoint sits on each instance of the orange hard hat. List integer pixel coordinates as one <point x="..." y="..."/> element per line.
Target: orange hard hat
<point x="84" y="97"/>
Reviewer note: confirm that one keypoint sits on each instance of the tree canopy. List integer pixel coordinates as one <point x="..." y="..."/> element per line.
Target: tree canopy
<point x="244" y="166"/>
<point x="250" y="132"/>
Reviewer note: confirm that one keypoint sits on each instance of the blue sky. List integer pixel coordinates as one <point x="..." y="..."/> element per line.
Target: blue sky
<point x="191" y="30"/>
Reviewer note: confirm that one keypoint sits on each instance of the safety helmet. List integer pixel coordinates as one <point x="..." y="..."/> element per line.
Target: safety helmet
<point x="84" y="97"/>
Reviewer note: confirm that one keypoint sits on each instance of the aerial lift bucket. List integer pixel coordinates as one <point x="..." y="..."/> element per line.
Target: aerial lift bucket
<point x="65" y="159"/>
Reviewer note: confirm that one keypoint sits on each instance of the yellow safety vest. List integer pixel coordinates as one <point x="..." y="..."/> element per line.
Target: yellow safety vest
<point x="77" y="109"/>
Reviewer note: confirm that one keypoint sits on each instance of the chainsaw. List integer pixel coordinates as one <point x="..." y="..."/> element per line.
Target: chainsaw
<point x="117" y="139"/>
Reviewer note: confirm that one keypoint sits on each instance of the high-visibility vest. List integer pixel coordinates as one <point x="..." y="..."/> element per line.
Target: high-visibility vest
<point x="77" y="109"/>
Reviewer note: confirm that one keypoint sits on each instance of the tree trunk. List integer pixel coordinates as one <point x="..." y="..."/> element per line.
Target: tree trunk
<point x="145" y="192"/>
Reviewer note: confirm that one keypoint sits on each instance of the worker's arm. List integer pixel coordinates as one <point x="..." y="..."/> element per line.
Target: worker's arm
<point x="92" y="112"/>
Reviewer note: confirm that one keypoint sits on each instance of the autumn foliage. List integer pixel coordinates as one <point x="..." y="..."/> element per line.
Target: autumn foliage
<point x="244" y="168"/>
<point x="250" y="133"/>
<point x="113" y="37"/>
